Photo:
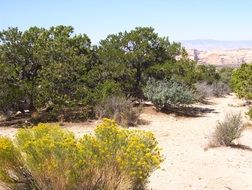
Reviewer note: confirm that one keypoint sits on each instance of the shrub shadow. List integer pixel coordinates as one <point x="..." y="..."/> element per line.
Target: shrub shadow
<point x="240" y="146"/>
<point x="143" y="122"/>
<point x="235" y="146"/>
<point x="188" y="111"/>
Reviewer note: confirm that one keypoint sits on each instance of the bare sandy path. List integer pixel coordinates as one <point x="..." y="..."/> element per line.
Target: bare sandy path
<point x="187" y="165"/>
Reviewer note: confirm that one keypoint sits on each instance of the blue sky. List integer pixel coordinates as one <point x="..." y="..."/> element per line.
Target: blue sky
<point x="178" y="19"/>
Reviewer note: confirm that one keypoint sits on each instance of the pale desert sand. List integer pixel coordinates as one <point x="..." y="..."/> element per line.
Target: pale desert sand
<point x="188" y="165"/>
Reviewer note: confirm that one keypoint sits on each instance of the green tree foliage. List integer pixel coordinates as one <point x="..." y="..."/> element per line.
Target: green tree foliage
<point x="44" y="68"/>
<point x="133" y="53"/>
<point x="225" y="75"/>
<point x="207" y="73"/>
<point x="182" y="70"/>
<point x="11" y="95"/>
<point x="241" y="81"/>
<point x="71" y="61"/>
<point x="55" y="72"/>
<point x="19" y="66"/>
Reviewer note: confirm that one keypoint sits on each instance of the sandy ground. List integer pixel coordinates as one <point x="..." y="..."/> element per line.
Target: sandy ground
<point x="187" y="164"/>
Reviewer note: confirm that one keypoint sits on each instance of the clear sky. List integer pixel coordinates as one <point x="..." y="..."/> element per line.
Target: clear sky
<point x="178" y="19"/>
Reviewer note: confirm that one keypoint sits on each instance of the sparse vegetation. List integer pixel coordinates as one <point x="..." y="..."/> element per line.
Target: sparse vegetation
<point x="120" y="109"/>
<point x="85" y="107"/>
<point x="213" y="81"/>
<point x="228" y="130"/>
<point x="216" y="89"/>
<point x="48" y="157"/>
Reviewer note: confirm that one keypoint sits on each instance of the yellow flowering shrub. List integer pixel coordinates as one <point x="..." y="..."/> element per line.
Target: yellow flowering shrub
<point x="7" y="149"/>
<point x="49" y="152"/>
<point x="13" y="172"/>
<point x="133" y="151"/>
<point x="112" y="158"/>
<point x="8" y="158"/>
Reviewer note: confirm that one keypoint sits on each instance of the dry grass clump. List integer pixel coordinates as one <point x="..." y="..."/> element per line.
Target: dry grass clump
<point x="250" y="113"/>
<point x="227" y="131"/>
<point x="216" y="89"/>
<point x="120" y="109"/>
<point x="107" y="177"/>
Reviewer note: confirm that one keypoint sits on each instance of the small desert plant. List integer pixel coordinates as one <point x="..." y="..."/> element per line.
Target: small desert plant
<point x="120" y="109"/>
<point x="168" y="93"/>
<point x="48" y="157"/>
<point x="228" y="130"/>
<point x="250" y="113"/>
<point x="216" y="89"/>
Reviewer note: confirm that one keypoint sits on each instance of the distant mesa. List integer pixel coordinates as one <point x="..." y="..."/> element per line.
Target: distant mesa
<point x="219" y="53"/>
<point x="206" y="45"/>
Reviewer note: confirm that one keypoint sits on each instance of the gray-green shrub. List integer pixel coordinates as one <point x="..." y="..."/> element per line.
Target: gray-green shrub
<point x="215" y="89"/>
<point x="228" y="130"/>
<point x="166" y="93"/>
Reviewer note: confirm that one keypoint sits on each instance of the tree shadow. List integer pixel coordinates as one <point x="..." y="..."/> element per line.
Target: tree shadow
<point x="207" y="102"/>
<point x="188" y="111"/>
<point x="240" y="146"/>
<point x="17" y="121"/>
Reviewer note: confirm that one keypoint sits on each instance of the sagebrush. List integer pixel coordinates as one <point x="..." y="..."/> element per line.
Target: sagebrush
<point x="228" y="130"/>
<point x="216" y="89"/>
<point x="120" y="109"/>
<point x="166" y="93"/>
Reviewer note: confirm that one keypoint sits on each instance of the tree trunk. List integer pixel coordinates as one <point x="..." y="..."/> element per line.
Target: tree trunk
<point x="31" y="105"/>
<point x="138" y="91"/>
